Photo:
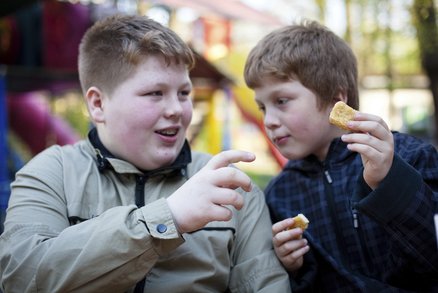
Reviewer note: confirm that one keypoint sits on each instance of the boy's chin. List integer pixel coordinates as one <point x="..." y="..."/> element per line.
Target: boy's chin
<point x="159" y="160"/>
<point x="165" y="159"/>
<point x="292" y="155"/>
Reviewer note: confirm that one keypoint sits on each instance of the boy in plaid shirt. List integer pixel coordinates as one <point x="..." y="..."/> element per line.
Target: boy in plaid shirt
<point x="370" y="194"/>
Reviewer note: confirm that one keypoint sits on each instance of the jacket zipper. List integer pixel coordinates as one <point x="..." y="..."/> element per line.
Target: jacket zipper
<point x="363" y="246"/>
<point x="328" y="177"/>
<point x="140" y="181"/>
<point x="332" y="208"/>
<point x="355" y="217"/>
<point x="340" y="238"/>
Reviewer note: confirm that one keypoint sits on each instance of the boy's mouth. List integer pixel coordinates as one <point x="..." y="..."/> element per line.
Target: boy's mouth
<point x="168" y="132"/>
<point x="280" y="140"/>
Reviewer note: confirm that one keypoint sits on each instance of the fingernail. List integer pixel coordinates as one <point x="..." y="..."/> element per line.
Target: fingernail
<point x="250" y="156"/>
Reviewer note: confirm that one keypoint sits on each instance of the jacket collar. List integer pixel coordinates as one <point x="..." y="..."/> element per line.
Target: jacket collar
<point x="107" y="161"/>
<point x="338" y="153"/>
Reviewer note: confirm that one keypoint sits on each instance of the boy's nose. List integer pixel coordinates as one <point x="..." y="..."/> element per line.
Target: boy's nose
<point x="173" y="107"/>
<point x="270" y="120"/>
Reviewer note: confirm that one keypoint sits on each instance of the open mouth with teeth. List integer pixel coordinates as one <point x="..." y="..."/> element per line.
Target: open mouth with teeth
<point x="168" y="132"/>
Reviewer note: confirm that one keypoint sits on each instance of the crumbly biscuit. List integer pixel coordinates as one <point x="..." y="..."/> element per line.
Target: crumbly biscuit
<point x="300" y="221"/>
<point x="341" y="114"/>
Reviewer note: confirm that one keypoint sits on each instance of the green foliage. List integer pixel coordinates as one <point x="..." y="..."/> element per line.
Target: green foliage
<point x="261" y="180"/>
<point x="404" y="55"/>
<point x="72" y="108"/>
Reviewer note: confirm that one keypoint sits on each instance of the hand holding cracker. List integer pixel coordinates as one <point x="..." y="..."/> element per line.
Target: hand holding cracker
<point x="289" y="244"/>
<point x="370" y="137"/>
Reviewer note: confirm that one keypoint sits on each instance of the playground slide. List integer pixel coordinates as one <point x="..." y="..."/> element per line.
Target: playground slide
<point x="31" y="119"/>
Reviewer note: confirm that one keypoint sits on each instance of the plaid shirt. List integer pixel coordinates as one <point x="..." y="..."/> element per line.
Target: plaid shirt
<point x="363" y="240"/>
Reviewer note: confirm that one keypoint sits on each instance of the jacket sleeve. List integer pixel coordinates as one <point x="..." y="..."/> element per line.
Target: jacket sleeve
<point x="404" y="204"/>
<point x="41" y="252"/>
<point x="305" y="278"/>
<point x="256" y="267"/>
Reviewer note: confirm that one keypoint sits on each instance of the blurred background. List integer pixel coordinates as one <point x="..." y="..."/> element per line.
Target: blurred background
<point x="395" y="41"/>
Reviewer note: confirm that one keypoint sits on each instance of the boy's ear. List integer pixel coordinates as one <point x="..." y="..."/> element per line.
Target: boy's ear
<point x="94" y="98"/>
<point x="341" y="96"/>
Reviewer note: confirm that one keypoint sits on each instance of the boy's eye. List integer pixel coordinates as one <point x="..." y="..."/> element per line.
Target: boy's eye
<point x="156" y="93"/>
<point x="282" y="101"/>
<point x="185" y="93"/>
<point x="261" y="108"/>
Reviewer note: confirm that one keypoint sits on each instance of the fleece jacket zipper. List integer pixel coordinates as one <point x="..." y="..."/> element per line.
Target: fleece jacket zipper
<point x="332" y="209"/>
<point x="363" y="246"/>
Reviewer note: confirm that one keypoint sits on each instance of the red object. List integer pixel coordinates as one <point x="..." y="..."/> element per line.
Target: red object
<point x="64" y="24"/>
<point x="30" y="118"/>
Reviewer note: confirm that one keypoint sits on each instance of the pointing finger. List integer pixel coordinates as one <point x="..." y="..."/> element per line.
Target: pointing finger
<point x="226" y="158"/>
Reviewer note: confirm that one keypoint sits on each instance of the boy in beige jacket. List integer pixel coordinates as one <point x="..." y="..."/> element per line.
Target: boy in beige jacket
<point x="132" y="208"/>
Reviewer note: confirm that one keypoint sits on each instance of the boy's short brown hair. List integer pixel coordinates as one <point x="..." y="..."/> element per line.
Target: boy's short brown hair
<point x="310" y="53"/>
<point x="112" y="48"/>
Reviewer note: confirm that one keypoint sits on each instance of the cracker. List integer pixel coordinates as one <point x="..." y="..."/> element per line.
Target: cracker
<point x="300" y="221"/>
<point x="341" y="114"/>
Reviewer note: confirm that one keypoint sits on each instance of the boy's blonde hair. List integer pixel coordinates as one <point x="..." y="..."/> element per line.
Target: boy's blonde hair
<point x="310" y="53"/>
<point x="113" y="47"/>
